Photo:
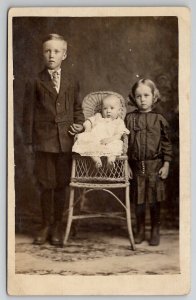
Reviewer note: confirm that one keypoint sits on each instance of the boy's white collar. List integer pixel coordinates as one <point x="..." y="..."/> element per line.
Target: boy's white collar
<point x="52" y="71"/>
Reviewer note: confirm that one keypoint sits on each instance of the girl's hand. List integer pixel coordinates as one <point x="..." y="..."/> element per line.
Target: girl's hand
<point x="130" y="173"/>
<point x="164" y="171"/>
<point x="105" y="141"/>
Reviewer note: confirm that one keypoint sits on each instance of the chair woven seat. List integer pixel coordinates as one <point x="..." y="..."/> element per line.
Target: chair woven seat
<point x="86" y="171"/>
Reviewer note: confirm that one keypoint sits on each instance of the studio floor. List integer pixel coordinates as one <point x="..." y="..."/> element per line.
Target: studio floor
<point x="99" y="250"/>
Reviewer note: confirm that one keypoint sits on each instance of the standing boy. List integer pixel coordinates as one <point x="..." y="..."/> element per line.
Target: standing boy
<point x="52" y="115"/>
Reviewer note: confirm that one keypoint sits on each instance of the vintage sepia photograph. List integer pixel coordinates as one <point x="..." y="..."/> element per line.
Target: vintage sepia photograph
<point x="98" y="151"/>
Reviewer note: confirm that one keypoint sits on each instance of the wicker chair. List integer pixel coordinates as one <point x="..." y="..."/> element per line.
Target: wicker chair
<point x="87" y="178"/>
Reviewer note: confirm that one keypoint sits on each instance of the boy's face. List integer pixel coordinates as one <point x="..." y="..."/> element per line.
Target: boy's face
<point x="54" y="52"/>
<point x="111" y="108"/>
<point x="144" y="98"/>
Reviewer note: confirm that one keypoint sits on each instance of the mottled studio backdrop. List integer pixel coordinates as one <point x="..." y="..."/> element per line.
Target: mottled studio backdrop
<point x="105" y="53"/>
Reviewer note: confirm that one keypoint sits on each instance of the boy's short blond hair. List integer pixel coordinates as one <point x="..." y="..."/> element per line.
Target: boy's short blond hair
<point x="54" y="36"/>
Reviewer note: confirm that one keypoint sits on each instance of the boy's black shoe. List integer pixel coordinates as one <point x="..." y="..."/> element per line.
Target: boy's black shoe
<point x="155" y="236"/>
<point x="42" y="235"/>
<point x="57" y="234"/>
<point x="46" y="209"/>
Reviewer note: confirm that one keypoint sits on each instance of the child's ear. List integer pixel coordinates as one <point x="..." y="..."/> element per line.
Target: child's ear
<point x="156" y="100"/>
<point x="131" y="100"/>
<point x="157" y="96"/>
<point x="65" y="55"/>
<point x="120" y="112"/>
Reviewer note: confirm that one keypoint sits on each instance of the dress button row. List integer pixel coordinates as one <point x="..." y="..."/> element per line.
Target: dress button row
<point x="143" y="167"/>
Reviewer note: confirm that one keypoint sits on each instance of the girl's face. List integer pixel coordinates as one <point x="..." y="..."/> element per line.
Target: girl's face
<point x="144" y="98"/>
<point x="111" y="108"/>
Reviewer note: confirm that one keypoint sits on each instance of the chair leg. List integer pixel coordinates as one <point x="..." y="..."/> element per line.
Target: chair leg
<point x="128" y="215"/>
<point x="70" y="215"/>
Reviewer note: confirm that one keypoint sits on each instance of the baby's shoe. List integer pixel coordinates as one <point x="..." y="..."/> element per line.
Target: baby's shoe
<point x="97" y="161"/>
<point x="110" y="162"/>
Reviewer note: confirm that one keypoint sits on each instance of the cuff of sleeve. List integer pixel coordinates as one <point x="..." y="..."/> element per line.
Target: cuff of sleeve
<point x="79" y="123"/>
<point x="167" y="158"/>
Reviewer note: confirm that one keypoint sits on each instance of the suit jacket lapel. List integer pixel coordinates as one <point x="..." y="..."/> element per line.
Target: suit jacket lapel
<point x="47" y="82"/>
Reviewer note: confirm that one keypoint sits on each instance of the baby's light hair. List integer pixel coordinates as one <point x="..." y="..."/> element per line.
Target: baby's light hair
<point x="118" y="100"/>
<point x="54" y="36"/>
<point x="114" y="97"/>
<point x="150" y="84"/>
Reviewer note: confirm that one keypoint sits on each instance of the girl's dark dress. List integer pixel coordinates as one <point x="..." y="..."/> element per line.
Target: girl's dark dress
<point x="149" y="147"/>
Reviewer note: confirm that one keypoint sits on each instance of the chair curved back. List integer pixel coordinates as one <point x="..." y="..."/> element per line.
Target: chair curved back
<point x="92" y="103"/>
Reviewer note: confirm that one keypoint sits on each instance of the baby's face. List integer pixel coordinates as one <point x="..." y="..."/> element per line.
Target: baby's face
<point x="111" y="108"/>
<point x="54" y="52"/>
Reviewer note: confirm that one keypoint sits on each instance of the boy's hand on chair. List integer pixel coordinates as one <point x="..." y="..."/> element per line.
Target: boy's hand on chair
<point x="164" y="171"/>
<point x="75" y="128"/>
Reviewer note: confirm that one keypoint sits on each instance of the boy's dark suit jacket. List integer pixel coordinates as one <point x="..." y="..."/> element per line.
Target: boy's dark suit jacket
<point x="48" y="115"/>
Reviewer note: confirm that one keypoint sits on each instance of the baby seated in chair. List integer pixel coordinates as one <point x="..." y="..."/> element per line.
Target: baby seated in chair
<point x="103" y="132"/>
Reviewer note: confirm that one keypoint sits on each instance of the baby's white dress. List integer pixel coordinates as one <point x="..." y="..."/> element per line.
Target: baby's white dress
<point x="88" y="143"/>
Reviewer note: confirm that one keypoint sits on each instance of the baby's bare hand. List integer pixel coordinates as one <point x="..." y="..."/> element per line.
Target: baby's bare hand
<point x="87" y="129"/>
<point x="105" y="141"/>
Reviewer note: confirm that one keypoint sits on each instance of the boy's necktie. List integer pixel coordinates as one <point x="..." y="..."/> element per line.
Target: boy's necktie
<point x="55" y="80"/>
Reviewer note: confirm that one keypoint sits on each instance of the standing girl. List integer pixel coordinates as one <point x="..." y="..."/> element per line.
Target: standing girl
<point x="150" y="153"/>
